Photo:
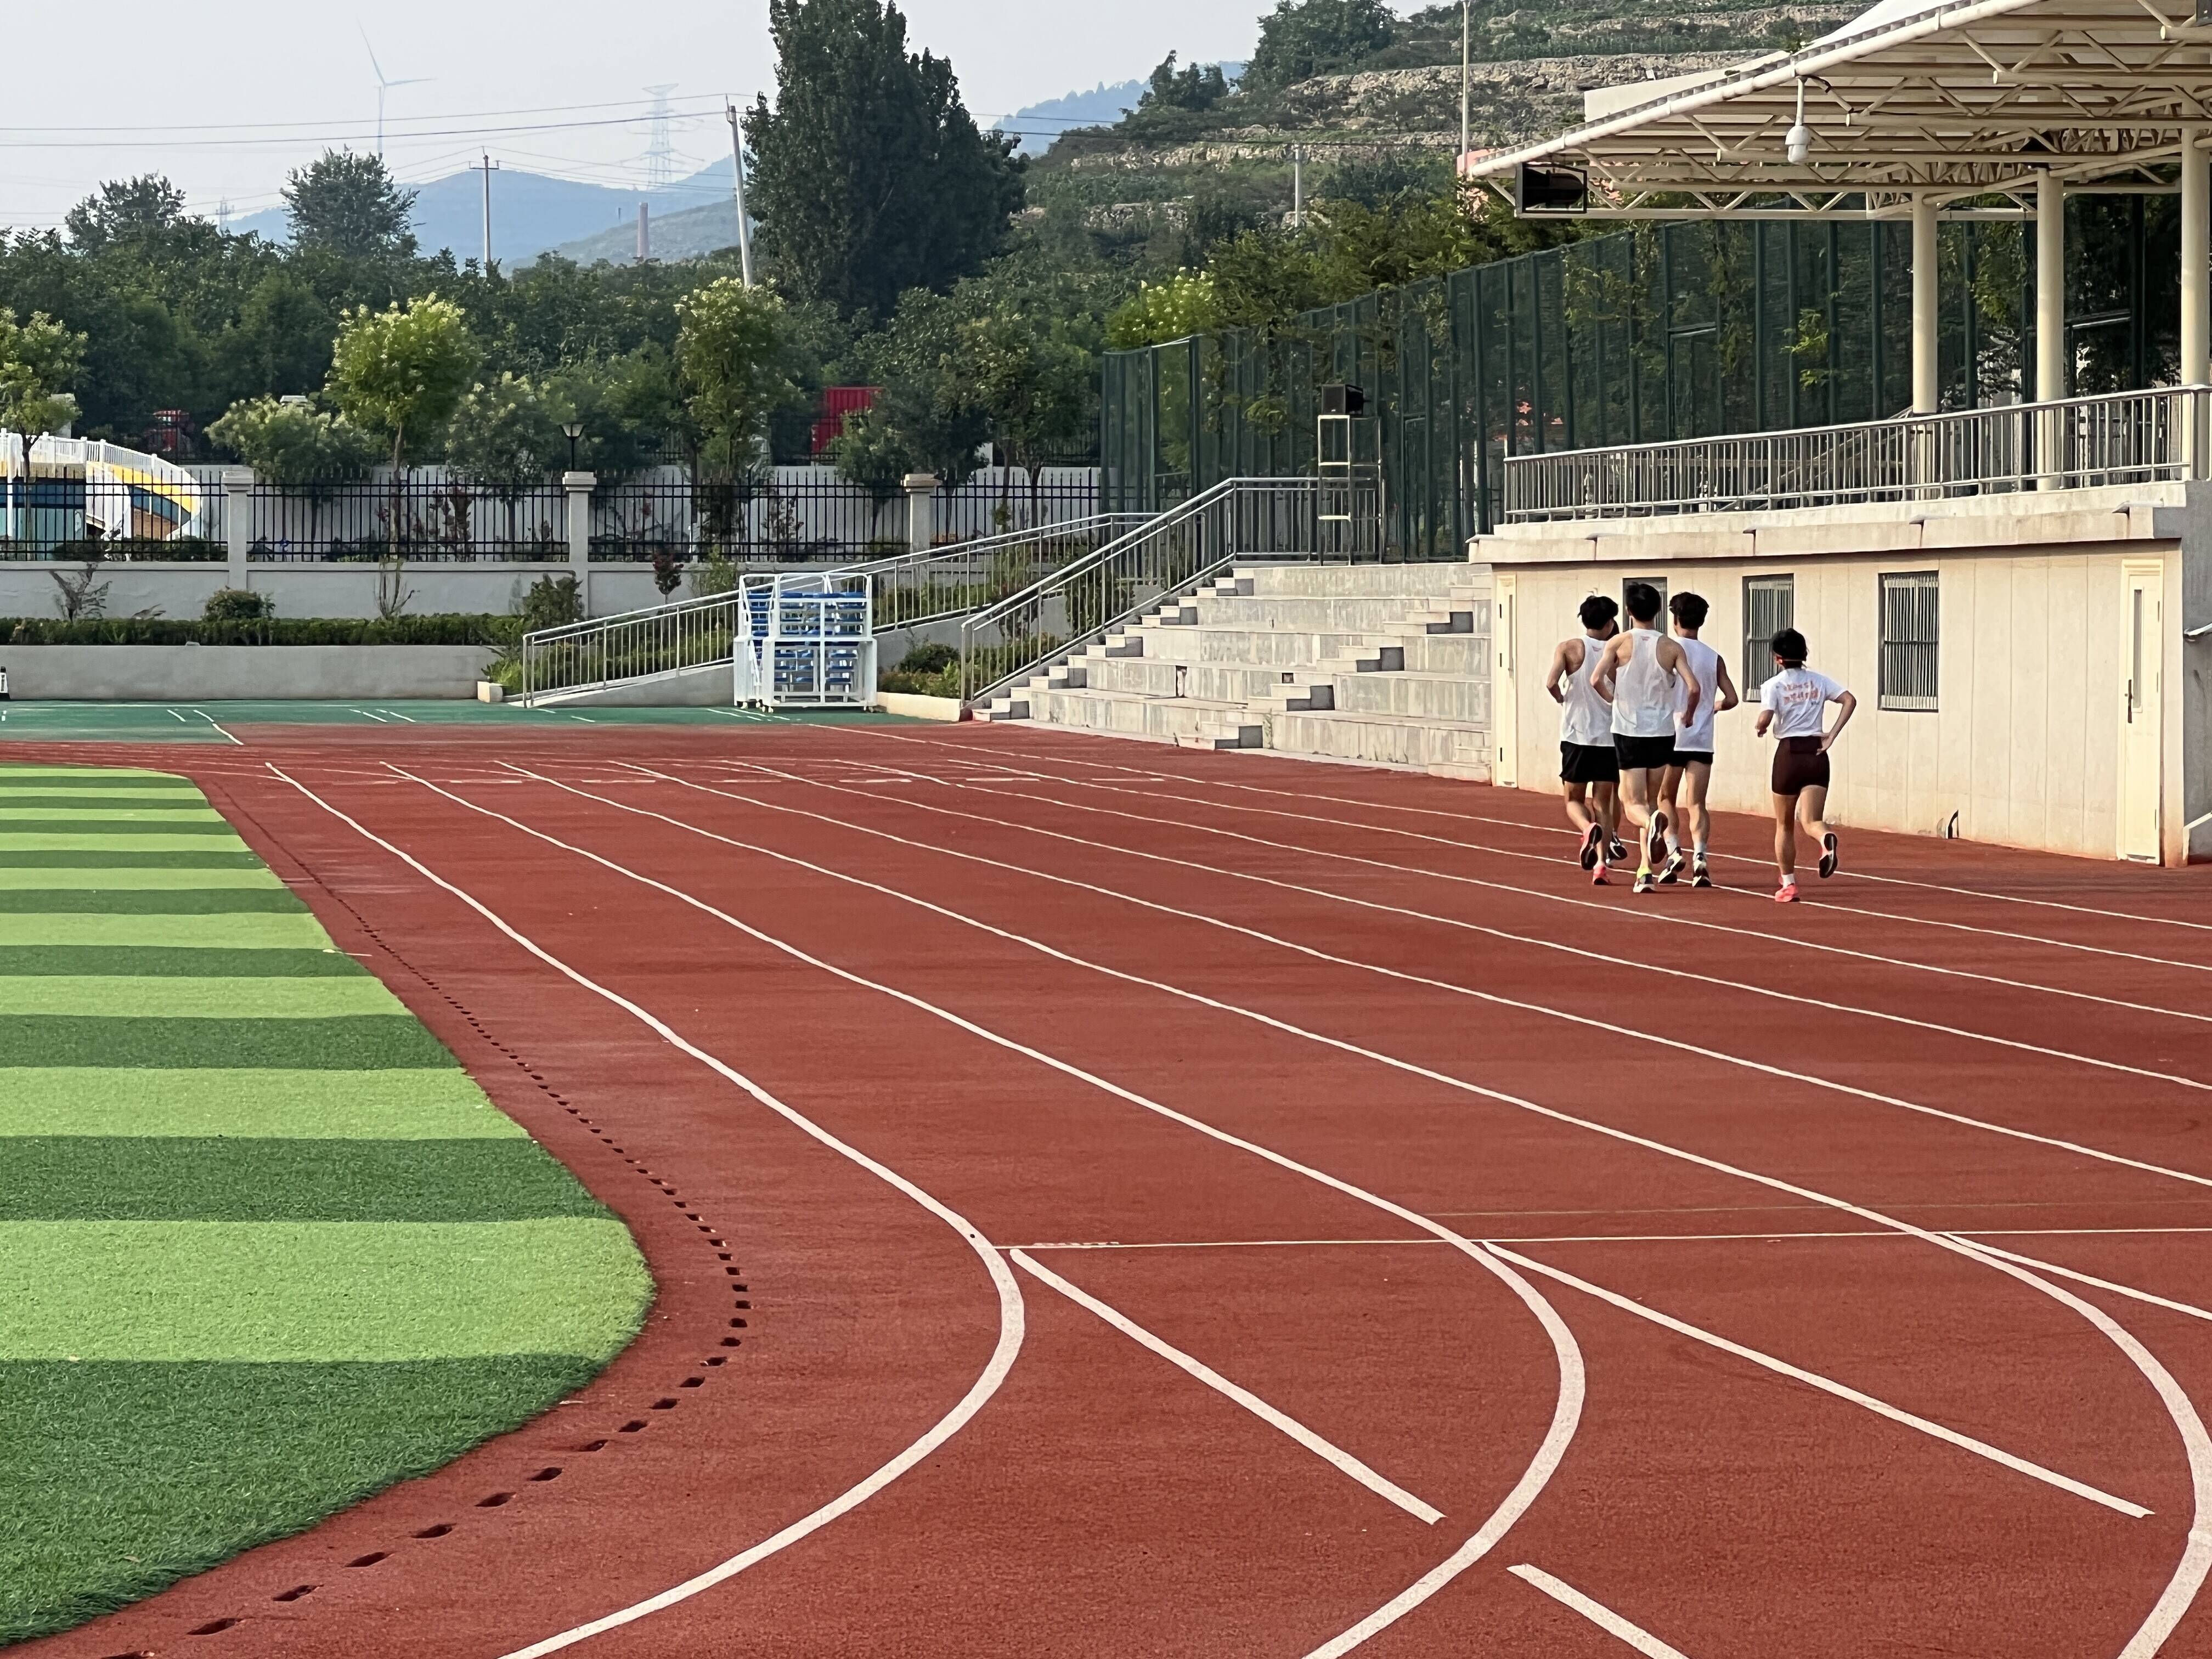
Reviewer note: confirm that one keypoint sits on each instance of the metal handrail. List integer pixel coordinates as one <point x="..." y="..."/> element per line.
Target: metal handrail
<point x="930" y="584"/>
<point x="1081" y="602"/>
<point x="2136" y="437"/>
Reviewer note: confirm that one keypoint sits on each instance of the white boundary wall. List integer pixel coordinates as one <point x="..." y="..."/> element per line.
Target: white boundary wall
<point x="194" y="673"/>
<point x="2023" y="744"/>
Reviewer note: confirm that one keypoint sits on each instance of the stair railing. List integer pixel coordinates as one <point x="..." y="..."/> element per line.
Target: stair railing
<point x="1081" y="602"/>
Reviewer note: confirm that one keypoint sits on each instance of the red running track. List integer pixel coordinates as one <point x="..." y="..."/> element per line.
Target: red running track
<point x="1111" y="1200"/>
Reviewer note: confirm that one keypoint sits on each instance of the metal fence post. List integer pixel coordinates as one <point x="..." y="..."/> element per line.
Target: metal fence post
<point x="238" y="522"/>
<point x="579" y="486"/>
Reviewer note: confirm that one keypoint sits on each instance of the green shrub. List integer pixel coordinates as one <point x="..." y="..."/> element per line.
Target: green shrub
<point x="237" y="604"/>
<point x="930" y="658"/>
<point x="449" y="629"/>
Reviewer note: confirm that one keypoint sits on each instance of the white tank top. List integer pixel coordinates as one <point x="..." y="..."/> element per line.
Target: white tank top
<point x="1643" y="693"/>
<point x="1704" y="666"/>
<point x="1584" y="718"/>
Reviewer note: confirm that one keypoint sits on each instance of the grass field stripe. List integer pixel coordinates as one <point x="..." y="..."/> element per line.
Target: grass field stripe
<point x="108" y="802"/>
<point x="132" y="879"/>
<point x="61" y="835"/>
<point x="317" y="1291"/>
<point x="133" y="858"/>
<point x="108" y="962"/>
<point x="356" y="1042"/>
<point x="176" y="997"/>
<point x="282" y="1179"/>
<point x="94" y="777"/>
<point x="291" y="930"/>
<point x="271" y="1102"/>
<point x="150" y="902"/>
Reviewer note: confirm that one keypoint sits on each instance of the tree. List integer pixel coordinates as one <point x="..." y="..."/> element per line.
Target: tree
<point x="731" y="358"/>
<point x="348" y="204"/>
<point x="504" y="437"/>
<point x="293" y="445"/>
<point x="1301" y="39"/>
<point x="1185" y="304"/>
<point x="1200" y="87"/>
<point x="400" y="374"/>
<point x="870" y="175"/>
<point x="38" y="362"/>
<point x="125" y="212"/>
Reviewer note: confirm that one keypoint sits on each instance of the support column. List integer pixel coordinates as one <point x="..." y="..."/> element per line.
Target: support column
<point x="2050" y="320"/>
<point x="237" y="523"/>
<point x="1927" y="311"/>
<point x="579" y="486"/>
<point x="921" y="511"/>
<point x="2197" y="294"/>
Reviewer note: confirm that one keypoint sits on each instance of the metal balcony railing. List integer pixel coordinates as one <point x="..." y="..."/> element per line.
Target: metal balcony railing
<point x="2133" y="437"/>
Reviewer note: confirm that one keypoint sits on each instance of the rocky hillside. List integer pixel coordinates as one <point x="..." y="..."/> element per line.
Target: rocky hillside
<point x="1394" y="113"/>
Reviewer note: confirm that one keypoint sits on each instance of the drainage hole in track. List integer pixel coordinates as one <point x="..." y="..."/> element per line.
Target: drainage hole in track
<point x="293" y="1594"/>
<point x="663" y="1405"/>
<point x="368" y="1560"/>
<point x="631" y="1428"/>
<point x="494" y="1501"/>
<point x="592" y="1446"/>
<point x="732" y="1342"/>
<point x="437" y="1531"/>
<point x="212" y="1626"/>
<point x="551" y="1473"/>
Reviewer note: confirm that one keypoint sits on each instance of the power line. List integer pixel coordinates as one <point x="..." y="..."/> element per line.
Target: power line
<point x="167" y="127"/>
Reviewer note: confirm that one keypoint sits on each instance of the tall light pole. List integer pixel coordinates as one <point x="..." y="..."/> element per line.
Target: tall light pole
<point x="488" y="168"/>
<point x="738" y="178"/>
<point x="1465" y="28"/>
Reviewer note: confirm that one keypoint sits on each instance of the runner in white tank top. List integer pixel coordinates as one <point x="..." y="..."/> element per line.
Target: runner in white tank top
<point x="1588" y="768"/>
<point x="1643" y="674"/>
<point x="1693" y="744"/>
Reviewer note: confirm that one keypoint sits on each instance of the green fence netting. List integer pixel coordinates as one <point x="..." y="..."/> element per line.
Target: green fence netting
<point x="1662" y="332"/>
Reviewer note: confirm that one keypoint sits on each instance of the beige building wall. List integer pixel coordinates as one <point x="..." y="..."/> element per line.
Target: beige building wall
<point x="2024" y="746"/>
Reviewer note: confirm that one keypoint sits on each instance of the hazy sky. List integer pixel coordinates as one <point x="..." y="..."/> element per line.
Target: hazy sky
<point x="225" y="96"/>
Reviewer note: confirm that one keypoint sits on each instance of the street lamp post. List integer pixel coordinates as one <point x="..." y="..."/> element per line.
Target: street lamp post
<point x="1465" y="28"/>
<point x="572" y="430"/>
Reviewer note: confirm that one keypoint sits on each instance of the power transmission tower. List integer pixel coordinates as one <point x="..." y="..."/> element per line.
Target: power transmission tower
<point x="660" y="151"/>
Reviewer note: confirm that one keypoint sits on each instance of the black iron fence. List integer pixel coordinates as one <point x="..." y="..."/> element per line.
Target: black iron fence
<point x="427" y="522"/>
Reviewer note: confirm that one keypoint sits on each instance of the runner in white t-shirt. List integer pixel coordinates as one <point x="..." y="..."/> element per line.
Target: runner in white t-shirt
<point x="1794" y="705"/>
<point x="1588" y="768"/>
<point x="1694" y="742"/>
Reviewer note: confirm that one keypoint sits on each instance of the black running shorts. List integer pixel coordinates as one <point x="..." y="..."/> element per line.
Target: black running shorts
<point x="1587" y="762"/>
<point x="1799" y="765"/>
<point x="1644" y="754"/>
<point x="1692" y="758"/>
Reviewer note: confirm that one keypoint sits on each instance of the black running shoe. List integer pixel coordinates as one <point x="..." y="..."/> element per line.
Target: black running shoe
<point x="1617" y="853"/>
<point x="1593" y="839"/>
<point x="1827" y="855"/>
<point x="1701" y="876"/>
<point x="1672" y="871"/>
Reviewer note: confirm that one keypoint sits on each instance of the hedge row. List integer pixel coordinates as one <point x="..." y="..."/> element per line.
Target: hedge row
<point x="451" y="629"/>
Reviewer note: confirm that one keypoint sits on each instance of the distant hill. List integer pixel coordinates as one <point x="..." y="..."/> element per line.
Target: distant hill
<point x="532" y="212"/>
<point x="1102" y="107"/>
<point x="686" y="236"/>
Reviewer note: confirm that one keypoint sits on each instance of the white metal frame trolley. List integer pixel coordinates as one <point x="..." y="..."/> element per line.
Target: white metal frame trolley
<point x="806" y="641"/>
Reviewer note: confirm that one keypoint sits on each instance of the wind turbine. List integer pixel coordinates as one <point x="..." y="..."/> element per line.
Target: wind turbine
<point x="384" y="86"/>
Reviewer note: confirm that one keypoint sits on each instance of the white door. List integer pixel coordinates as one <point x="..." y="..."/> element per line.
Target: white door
<point x="1505" y="706"/>
<point x="2142" y="705"/>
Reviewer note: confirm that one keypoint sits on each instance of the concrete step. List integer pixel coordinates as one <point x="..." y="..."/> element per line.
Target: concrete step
<point x="1424" y="696"/>
<point x="1226" y="724"/>
<point x="1312" y="613"/>
<point x="1370" y="580"/>
<point x="1261" y="647"/>
<point x="1389" y="739"/>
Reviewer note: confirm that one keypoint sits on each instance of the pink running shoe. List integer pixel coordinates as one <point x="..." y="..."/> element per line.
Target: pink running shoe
<point x="1786" y="894"/>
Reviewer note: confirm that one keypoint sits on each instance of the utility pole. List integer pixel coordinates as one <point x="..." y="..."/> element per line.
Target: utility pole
<point x="738" y="177"/>
<point x="1297" y="186"/>
<point x="488" y="168"/>
<point x="1464" y="32"/>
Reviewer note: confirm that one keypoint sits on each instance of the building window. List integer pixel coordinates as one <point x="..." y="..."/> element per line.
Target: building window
<point x="1770" y="604"/>
<point x="1909" y="635"/>
<point x="1657" y="582"/>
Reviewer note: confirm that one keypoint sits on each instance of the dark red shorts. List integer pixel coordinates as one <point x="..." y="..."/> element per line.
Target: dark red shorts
<point x="1799" y="765"/>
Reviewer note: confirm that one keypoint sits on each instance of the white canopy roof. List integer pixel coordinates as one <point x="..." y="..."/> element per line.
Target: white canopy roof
<point x="1954" y="99"/>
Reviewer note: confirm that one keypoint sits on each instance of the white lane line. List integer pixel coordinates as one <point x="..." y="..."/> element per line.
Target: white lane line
<point x="2181" y="1589"/>
<point x="368" y="714"/>
<point x="179" y="719"/>
<point x="395" y="715"/>
<point x="2079" y="1277"/>
<point x="1566" y="1412"/>
<point x="1011" y="1312"/>
<point x="1870" y="1233"/>
<point x="1763" y="936"/>
<point x="211" y="720"/>
<point x="1315" y="953"/>
<point x="1700" y="979"/>
<point x="1333" y="1454"/>
<point x="2189" y="1574"/>
<point x="1603" y="1617"/>
<point x="1813" y="1379"/>
<point x="1734" y="858"/>
<point x="1856" y="875"/>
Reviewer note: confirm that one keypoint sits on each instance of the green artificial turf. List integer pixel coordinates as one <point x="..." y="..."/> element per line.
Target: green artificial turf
<point x="172" y="996"/>
<point x="167" y="962"/>
<point x="119" y="1479"/>
<point x="354" y="1043"/>
<point x="267" y="1103"/>
<point x="264" y="1248"/>
<point x="179" y="1178"/>
<point x="316" y="1290"/>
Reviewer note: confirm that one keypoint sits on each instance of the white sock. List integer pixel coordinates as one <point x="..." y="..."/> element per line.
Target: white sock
<point x="1701" y="852"/>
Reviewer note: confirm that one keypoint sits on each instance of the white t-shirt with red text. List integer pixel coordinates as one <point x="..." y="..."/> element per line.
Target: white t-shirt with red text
<point x="1798" y="698"/>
